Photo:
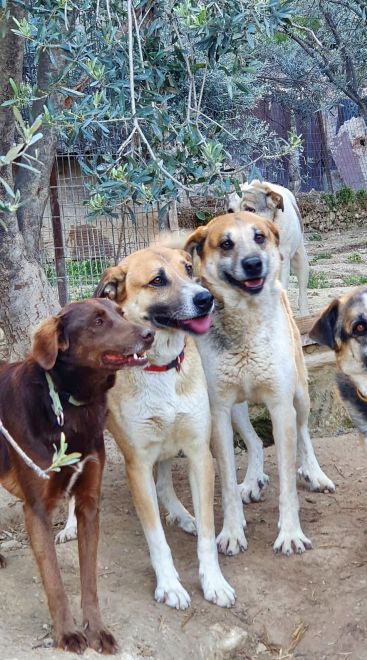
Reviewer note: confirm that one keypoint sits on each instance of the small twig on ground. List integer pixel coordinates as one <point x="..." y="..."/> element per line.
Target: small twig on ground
<point x="189" y="616"/>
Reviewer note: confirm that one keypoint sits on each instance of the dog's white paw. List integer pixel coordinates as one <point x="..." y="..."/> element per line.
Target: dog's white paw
<point x="316" y="479"/>
<point x="251" y="488"/>
<point x="184" y="521"/>
<point x="217" y="590"/>
<point x="232" y="540"/>
<point x="66" y="534"/>
<point x="293" y="542"/>
<point x="172" y="594"/>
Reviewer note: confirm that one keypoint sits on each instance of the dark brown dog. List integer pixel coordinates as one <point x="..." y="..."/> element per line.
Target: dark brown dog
<point x="80" y="348"/>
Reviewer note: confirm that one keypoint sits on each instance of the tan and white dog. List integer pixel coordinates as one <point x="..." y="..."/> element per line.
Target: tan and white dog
<point x="279" y="205"/>
<point x="253" y="352"/>
<point x="164" y="409"/>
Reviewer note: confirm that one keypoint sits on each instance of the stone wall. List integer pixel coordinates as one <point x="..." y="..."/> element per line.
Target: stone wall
<point x="319" y="211"/>
<point x="325" y="212"/>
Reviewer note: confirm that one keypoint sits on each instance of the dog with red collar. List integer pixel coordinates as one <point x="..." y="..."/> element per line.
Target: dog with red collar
<point x="165" y="409"/>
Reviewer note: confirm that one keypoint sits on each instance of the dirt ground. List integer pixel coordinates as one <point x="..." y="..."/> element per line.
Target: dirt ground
<point x="322" y="592"/>
<point x="311" y="607"/>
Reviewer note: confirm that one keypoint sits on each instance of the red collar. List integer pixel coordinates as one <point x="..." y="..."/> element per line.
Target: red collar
<point x="175" y="364"/>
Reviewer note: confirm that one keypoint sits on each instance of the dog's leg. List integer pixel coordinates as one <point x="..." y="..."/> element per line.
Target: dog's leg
<point x="310" y="470"/>
<point x="87" y="497"/>
<point x="69" y="533"/>
<point x="301" y="269"/>
<point x="39" y="529"/>
<point x="176" y="512"/>
<point x="285" y="268"/>
<point x="201" y="472"/>
<point x="142" y="487"/>
<point x="231" y="539"/>
<point x="283" y="415"/>
<point x="255" y="479"/>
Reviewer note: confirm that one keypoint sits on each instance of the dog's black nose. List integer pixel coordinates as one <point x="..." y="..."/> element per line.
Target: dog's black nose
<point x="203" y="301"/>
<point x="252" y="266"/>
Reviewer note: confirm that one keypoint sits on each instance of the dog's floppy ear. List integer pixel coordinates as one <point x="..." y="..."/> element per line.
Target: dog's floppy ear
<point x="323" y="331"/>
<point x="47" y="340"/>
<point x="112" y="284"/>
<point x="196" y="240"/>
<point x="275" y="200"/>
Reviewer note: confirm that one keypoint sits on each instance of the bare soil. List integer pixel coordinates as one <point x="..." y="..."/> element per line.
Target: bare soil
<point x="312" y="606"/>
<point x="321" y="593"/>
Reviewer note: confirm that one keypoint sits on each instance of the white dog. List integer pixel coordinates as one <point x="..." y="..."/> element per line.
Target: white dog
<point x="278" y="204"/>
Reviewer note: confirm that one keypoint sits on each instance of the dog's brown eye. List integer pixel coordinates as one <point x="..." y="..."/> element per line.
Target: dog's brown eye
<point x="250" y="209"/>
<point x="359" y="328"/>
<point x="259" y="238"/>
<point x="227" y="244"/>
<point x="99" y="321"/>
<point x="188" y="269"/>
<point x="158" y="281"/>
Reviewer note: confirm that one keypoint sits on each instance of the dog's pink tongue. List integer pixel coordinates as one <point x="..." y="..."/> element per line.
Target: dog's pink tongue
<point x="198" y="325"/>
<point x="253" y="284"/>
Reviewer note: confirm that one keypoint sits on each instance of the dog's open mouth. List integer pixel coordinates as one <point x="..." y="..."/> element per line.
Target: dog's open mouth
<point x="118" y="361"/>
<point x="253" y="285"/>
<point x="197" y="325"/>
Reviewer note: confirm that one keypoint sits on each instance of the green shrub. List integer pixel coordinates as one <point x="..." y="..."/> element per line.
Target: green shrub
<point x="355" y="258"/>
<point x="354" y="280"/>
<point x="344" y="196"/>
<point x="317" y="280"/>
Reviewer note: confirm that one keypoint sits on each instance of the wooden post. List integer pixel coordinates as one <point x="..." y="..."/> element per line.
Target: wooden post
<point x="324" y="150"/>
<point x="61" y="275"/>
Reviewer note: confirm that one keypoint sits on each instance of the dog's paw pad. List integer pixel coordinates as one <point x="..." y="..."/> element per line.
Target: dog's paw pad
<point x="316" y="480"/>
<point x="102" y="641"/>
<point x="173" y="595"/>
<point x="218" y="591"/>
<point x="66" y="534"/>
<point x="74" y="642"/>
<point x="251" y="489"/>
<point x="291" y="543"/>
<point x="185" y="522"/>
<point x="231" y="542"/>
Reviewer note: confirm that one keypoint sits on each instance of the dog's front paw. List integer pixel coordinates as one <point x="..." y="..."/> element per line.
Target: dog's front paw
<point x="217" y="590"/>
<point x="252" y="487"/>
<point x="3" y="561"/>
<point x="184" y="521"/>
<point x="74" y="642"/>
<point x="316" y="479"/>
<point x="232" y="540"/>
<point x="66" y="534"/>
<point x="102" y="641"/>
<point x="172" y="594"/>
<point x="293" y="542"/>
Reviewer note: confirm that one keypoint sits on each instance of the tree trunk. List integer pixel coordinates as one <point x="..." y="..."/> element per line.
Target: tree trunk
<point x="25" y="295"/>
<point x="35" y="187"/>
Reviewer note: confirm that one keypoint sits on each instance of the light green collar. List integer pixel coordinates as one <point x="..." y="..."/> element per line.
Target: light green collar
<point x="55" y="400"/>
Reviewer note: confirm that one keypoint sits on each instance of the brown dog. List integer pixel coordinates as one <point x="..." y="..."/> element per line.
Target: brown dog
<point x="62" y="386"/>
<point x="342" y="326"/>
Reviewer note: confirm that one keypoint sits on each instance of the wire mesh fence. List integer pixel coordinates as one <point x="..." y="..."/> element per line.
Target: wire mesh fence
<point x="75" y="248"/>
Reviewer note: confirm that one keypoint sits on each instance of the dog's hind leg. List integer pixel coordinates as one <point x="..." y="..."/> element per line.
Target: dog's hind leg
<point x="309" y="470"/>
<point x="255" y="480"/>
<point x="176" y="512"/>
<point x="301" y="269"/>
<point x="201" y="473"/>
<point x="70" y="530"/>
<point x="169" y="590"/>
